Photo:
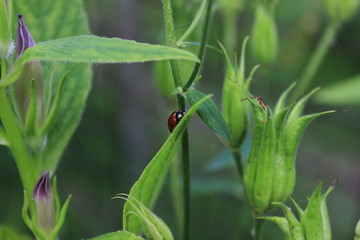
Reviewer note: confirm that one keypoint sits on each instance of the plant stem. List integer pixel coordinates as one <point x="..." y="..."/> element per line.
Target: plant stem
<point x="316" y="59"/>
<point x="17" y="145"/>
<point x="237" y="156"/>
<point x="202" y="47"/>
<point x="170" y="38"/>
<point x="258" y="225"/>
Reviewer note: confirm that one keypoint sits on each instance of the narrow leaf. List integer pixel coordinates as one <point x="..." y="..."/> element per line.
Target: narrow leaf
<point x="209" y="113"/>
<point x="282" y="99"/>
<point x="147" y="188"/>
<point x="119" y="235"/>
<point x="94" y="49"/>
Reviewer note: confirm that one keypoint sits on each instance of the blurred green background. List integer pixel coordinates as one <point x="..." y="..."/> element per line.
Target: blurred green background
<point x="125" y="124"/>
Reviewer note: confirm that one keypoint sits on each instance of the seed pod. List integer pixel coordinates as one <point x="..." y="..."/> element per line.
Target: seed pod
<point x="235" y="111"/>
<point x="270" y="171"/>
<point x="341" y="10"/>
<point x="264" y="39"/>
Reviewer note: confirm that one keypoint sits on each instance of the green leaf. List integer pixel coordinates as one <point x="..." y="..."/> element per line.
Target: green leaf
<point x="147" y="188"/>
<point x="47" y="20"/>
<point x="96" y="49"/>
<point x="344" y="92"/>
<point x="209" y="113"/>
<point x="119" y="235"/>
<point x="6" y="233"/>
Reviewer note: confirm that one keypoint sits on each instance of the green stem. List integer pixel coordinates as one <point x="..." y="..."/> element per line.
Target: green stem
<point x="237" y="156"/>
<point x="202" y="48"/>
<point x="258" y="226"/>
<point x="170" y="38"/>
<point x="316" y="60"/>
<point x="17" y="145"/>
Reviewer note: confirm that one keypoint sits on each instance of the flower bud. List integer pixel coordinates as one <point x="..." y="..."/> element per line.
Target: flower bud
<point x="24" y="40"/>
<point x="264" y="36"/>
<point x="341" y="10"/>
<point x="357" y="231"/>
<point x="270" y="172"/>
<point x="43" y="197"/>
<point x="235" y="111"/>
<point x="32" y="70"/>
<point x="6" y="45"/>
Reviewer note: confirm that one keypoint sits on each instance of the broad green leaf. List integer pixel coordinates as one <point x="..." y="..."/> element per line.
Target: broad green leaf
<point x="46" y="20"/>
<point x="119" y="235"/>
<point x="6" y="233"/>
<point x="209" y="113"/>
<point x="94" y="49"/>
<point x="312" y="219"/>
<point x="147" y="188"/>
<point x="344" y="92"/>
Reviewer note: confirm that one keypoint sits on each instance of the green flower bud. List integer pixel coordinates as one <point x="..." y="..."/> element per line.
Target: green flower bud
<point x="270" y="171"/>
<point x="357" y="231"/>
<point x="264" y="36"/>
<point x="236" y="111"/>
<point x="341" y="10"/>
<point x="6" y="45"/>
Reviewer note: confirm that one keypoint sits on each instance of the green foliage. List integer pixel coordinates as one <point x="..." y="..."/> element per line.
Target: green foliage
<point x="209" y="113"/>
<point x="119" y="235"/>
<point x="344" y="92"/>
<point x="5" y="39"/>
<point x="148" y="186"/>
<point x="6" y="233"/>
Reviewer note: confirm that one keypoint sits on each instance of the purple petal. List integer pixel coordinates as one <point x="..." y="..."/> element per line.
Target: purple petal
<point x="24" y="39"/>
<point x="42" y="188"/>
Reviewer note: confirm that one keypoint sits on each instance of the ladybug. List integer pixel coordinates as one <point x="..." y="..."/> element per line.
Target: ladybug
<point x="175" y="118"/>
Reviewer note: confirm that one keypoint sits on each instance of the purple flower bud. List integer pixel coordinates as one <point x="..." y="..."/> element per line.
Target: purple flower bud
<point x="43" y="197"/>
<point x="24" y="39"/>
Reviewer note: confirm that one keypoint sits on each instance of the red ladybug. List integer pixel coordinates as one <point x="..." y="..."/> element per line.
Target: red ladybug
<point x="175" y="118"/>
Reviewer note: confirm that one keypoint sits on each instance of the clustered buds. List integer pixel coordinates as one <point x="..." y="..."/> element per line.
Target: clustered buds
<point x="314" y="221"/>
<point x="341" y="10"/>
<point x="43" y="197"/>
<point x="264" y="36"/>
<point x="270" y="172"/>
